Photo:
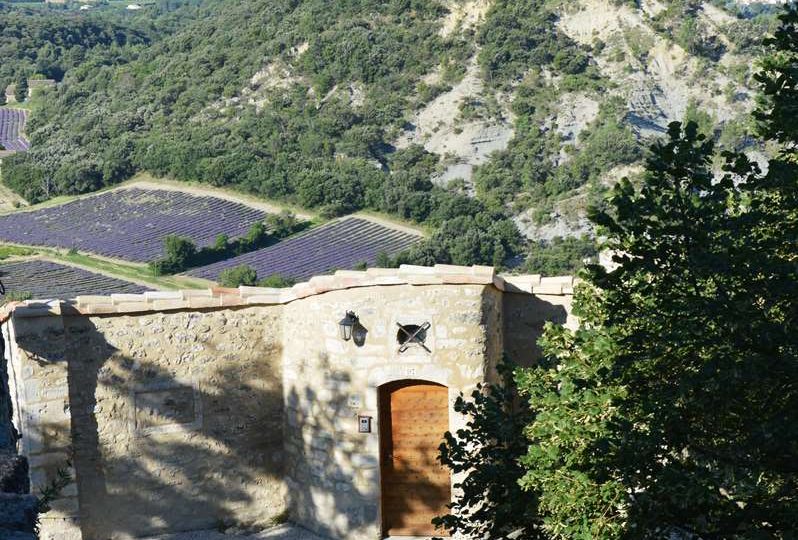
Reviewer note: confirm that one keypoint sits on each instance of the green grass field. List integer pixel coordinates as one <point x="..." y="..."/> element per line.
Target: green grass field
<point x="133" y="272"/>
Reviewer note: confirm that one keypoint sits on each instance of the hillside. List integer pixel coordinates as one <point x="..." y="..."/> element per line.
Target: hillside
<point x="477" y="118"/>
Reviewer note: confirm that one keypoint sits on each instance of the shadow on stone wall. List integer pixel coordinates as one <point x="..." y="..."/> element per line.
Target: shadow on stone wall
<point x="333" y="475"/>
<point x="525" y="316"/>
<point x="157" y="452"/>
<point x="333" y="471"/>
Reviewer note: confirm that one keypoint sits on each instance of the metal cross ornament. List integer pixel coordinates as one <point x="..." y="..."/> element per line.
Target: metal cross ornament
<point x="414" y="336"/>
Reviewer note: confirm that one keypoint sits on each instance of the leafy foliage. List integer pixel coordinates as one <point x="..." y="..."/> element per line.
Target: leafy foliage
<point x="237" y="276"/>
<point x="179" y="253"/>
<point x="561" y="256"/>
<point x="276" y="281"/>
<point x="487" y="451"/>
<point x="522" y="33"/>
<point x="673" y="410"/>
<point x="246" y="275"/>
<point x="667" y="411"/>
<point x="779" y="82"/>
<point x="21" y="89"/>
<point x="567" y="461"/>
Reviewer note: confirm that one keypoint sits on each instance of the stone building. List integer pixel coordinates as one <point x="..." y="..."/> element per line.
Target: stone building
<point x="323" y="403"/>
<point x="34" y="85"/>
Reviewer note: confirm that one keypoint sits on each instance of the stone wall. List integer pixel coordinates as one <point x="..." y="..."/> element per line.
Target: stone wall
<point x="188" y="410"/>
<point x="168" y="421"/>
<point x="184" y="412"/>
<point x="40" y="394"/>
<point x="333" y="470"/>
<point x="18" y="509"/>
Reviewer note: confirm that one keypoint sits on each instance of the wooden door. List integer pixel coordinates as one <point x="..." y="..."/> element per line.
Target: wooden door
<point x="414" y="415"/>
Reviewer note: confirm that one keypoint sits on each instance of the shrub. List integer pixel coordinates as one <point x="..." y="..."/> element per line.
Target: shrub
<point x="276" y="281"/>
<point x="179" y="253"/>
<point x="237" y="276"/>
<point x="492" y="504"/>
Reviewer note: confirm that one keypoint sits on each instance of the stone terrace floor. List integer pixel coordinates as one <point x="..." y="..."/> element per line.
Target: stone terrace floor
<point x="281" y="532"/>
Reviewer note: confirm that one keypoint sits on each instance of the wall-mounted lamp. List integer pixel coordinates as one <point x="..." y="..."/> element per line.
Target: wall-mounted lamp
<point x="351" y="328"/>
<point x="346" y="325"/>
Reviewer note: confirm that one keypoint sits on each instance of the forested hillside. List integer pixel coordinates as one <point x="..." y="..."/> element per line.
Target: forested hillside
<point x="51" y="42"/>
<point x="473" y="117"/>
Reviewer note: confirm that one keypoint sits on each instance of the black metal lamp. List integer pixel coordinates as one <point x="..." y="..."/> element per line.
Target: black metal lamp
<point x="347" y="324"/>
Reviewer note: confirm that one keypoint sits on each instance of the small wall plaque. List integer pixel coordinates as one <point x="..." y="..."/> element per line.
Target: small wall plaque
<point x="364" y="424"/>
<point x="166" y="406"/>
<point x="354" y="401"/>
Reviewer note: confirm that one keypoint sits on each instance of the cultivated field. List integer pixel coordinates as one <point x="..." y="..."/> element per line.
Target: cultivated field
<point x="129" y="224"/>
<point x="339" y="245"/>
<point x="48" y="280"/>
<point x="12" y="125"/>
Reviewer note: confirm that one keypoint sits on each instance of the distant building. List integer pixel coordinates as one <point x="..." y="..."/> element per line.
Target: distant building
<point x="34" y="85"/>
<point x="11" y="93"/>
<point x="133" y="7"/>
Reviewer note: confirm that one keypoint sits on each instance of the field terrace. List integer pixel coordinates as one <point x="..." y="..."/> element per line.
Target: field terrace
<point x="40" y="278"/>
<point x="12" y="127"/>
<point x="344" y="244"/>
<point x="129" y="224"/>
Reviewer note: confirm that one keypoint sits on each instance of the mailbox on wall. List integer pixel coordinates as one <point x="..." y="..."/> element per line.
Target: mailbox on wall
<point x="363" y="424"/>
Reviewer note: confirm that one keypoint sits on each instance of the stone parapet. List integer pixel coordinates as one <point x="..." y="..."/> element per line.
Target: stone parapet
<point x="215" y="297"/>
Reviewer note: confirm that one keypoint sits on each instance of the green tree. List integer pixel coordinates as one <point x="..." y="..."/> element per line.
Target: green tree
<point x="238" y="275"/>
<point x="560" y="256"/>
<point x="283" y="224"/>
<point x="179" y="254"/>
<point x="675" y="407"/>
<point x="276" y="281"/>
<point x="21" y="89"/>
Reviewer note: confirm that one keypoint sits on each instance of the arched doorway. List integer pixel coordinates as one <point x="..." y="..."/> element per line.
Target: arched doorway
<point x="414" y="415"/>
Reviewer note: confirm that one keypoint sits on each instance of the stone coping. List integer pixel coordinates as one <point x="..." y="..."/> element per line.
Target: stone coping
<point x="215" y="297"/>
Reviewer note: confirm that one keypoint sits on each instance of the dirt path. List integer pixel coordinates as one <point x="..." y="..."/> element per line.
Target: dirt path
<point x="146" y="181"/>
<point x="10" y="200"/>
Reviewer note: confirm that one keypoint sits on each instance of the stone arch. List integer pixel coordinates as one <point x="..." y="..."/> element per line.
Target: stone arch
<point x="383" y="375"/>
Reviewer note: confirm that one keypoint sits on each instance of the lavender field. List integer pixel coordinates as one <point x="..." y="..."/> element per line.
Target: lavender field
<point x="48" y="280"/>
<point x="12" y="123"/>
<point x="340" y="245"/>
<point x="129" y="224"/>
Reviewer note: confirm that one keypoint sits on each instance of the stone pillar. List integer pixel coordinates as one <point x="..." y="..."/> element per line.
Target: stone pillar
<point x="40" y="366"/>
<point x="8" y="439"/>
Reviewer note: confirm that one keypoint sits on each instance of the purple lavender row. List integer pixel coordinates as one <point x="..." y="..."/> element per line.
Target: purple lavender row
<point x="12" y="122"/>
<point x="341" y="245"/>
<point x="48" y="280"/>
<point x="130" y="224"/>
